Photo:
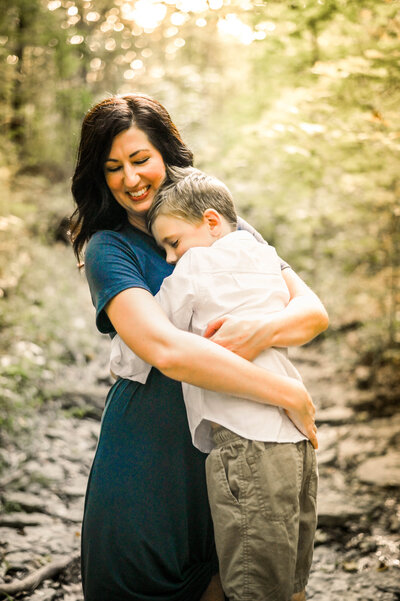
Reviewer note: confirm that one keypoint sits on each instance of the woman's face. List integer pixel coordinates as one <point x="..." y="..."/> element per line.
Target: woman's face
<point x="134" y="170"/>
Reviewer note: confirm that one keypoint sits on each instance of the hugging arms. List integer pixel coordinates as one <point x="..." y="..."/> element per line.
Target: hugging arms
<point x="147" y="484"/>
<point x="186" y="357"/>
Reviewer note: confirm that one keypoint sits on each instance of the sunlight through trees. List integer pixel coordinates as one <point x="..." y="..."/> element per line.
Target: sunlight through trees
<point x="294" y="104"/>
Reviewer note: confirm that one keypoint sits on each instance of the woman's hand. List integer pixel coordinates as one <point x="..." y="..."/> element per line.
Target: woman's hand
<point x="302" y="413"/>
<point x="245" y="337"/>
<point x="299" y="322"/>
<point x="190" y="358"/>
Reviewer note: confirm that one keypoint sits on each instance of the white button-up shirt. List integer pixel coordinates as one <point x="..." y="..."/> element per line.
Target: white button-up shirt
<point x="238" y="276"/>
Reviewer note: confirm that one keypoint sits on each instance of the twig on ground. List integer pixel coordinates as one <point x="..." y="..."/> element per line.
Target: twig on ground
<point x="32" y="581"/>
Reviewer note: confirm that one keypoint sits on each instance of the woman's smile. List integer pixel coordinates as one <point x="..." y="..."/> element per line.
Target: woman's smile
<point x="140" y="194"/>
<point x="134" y="170"/>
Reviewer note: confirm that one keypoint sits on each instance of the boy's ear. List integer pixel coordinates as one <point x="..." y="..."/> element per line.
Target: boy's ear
<point x="213" y="220"/>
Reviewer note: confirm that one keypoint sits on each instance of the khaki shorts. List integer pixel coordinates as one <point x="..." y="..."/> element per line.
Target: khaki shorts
<point x="263" y="504"/>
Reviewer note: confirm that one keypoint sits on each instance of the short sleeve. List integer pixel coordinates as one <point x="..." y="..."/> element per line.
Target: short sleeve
<point x="243" y="225"/>
<point x="111" y="266"/>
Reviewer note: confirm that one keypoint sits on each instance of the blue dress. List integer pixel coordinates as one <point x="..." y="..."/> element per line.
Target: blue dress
<point x="147" y="532"/>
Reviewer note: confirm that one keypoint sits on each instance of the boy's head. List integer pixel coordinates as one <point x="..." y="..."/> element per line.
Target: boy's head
<point x="190" y="209"/>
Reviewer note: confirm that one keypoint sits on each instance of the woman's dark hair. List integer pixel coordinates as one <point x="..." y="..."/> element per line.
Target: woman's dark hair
<point x="96" y="207"/>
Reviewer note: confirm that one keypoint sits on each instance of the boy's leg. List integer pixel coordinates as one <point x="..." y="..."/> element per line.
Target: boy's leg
<point x="254" y="491"/>
<point x="308" y="519"/>
<point x="214" y="590"/>
<point x="227" y="527"/>
<point x="299" y="596"/>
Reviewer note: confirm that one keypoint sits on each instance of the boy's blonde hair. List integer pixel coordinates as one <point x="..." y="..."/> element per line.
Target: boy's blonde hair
<point x="187" y="193"/>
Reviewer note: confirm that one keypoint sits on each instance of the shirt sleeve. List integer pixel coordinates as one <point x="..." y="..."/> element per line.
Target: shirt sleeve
<point x="111" y="266"/>
<point x="243" y="225"/>
<point x="177" y="294"/>
<point x="125" y="363"/>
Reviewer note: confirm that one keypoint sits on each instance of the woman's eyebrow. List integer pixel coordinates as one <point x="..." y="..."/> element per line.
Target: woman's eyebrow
<point x="130" y="156"/>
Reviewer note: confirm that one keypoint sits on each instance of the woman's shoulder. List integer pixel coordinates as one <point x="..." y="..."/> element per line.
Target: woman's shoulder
<point x="108" y="237"/>
<point x="125" y="257"/>
<point x="113" y="263"/>
<point x="126" y="239"/>
<point x="103" y="245"/>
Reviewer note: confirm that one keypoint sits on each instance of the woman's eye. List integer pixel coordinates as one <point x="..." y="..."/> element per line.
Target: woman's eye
<point x="112" y="169"/>
<point x="141" y="161"/>
<point x="175" y="244"/>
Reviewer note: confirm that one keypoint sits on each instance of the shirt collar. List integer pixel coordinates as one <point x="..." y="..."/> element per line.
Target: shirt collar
<point x="238" y="235"/>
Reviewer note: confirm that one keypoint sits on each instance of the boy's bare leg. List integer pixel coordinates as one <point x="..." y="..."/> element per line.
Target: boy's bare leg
<point x="299" y="596"/>
<point x="214" y="590"/>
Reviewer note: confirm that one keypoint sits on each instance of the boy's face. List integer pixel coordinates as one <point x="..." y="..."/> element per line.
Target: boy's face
<point x="176" y="236"/>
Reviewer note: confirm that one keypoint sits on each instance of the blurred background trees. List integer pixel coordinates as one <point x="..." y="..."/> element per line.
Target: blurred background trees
<point x="293" y="103"/>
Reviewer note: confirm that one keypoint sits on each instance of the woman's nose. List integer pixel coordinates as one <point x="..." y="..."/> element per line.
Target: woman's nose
<point x="131" y="176"/>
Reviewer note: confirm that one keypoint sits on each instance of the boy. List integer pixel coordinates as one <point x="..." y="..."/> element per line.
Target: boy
<point x="261" y="470"/>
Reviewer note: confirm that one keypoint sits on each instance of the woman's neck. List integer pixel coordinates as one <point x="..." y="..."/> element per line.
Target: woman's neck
<point x="139" y="223"/>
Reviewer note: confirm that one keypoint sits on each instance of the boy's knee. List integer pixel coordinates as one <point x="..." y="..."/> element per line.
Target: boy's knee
<point x="299" y="596"/>
<point x="214" y="590"/>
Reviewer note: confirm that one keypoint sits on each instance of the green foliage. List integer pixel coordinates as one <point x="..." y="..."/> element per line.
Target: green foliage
<point x="42" y="330"/>
<point x="293" y="104"/>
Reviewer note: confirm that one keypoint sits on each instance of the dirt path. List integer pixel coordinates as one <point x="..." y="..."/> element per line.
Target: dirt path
<point x="357" y="544"/>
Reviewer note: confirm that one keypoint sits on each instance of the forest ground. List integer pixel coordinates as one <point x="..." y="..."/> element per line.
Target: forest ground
<point x="54" y="380"/>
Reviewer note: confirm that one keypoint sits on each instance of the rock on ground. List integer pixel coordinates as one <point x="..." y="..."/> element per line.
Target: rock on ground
<point x="357" y="543"/>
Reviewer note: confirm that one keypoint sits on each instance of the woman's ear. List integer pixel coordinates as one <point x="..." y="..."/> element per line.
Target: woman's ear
<point x="214" y="222"/>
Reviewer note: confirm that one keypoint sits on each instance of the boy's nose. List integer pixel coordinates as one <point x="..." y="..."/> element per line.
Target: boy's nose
<point x="171" y="257"/>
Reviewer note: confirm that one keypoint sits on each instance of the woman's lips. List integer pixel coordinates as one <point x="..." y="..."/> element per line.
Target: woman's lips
<point x="140" y="194"/>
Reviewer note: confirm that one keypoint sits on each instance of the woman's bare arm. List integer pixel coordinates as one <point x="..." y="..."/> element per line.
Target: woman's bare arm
<point x="183" y="356"/>
<point x="302" y="319"/>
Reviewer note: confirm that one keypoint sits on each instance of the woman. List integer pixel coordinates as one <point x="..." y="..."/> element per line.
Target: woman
<point x="147" y="533"/>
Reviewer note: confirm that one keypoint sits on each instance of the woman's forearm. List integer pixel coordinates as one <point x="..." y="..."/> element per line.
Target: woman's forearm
<point x="301" y="321"/>
<point x="193" y="360"/>
<point x="186" y="357"/>
<point x="304" y="317"/>
<point x="183" y="356"/>
<point x="196" y="360"/>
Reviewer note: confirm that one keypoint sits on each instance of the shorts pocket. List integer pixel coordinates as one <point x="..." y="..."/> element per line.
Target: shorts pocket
<point x="221" y="477"/>
<point x="275" y="472"/>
